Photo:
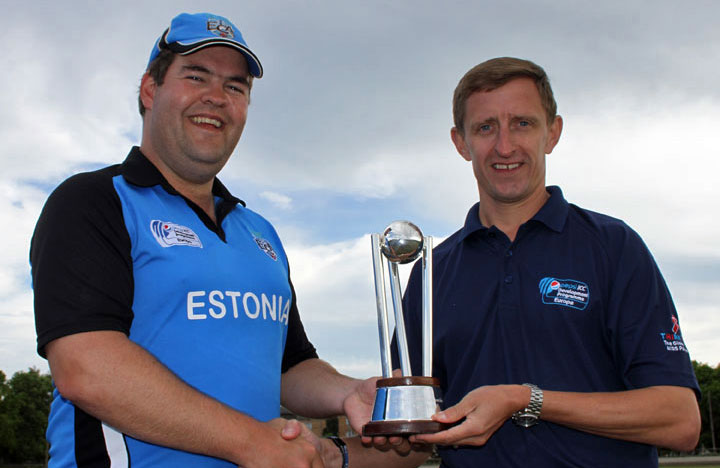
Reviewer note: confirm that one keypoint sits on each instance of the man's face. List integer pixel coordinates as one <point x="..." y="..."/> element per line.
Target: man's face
<point x="506" y="137"/>
<point x="194" y="120"/>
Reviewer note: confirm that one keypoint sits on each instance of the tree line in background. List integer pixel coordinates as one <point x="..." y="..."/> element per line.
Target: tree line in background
<point x="25" y="403"/>
<point x="709" y="380"/>
<point x="24" y="407"/>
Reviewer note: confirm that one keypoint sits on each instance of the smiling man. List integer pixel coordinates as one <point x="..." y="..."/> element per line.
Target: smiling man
<point x="164" y="305"/>
<point x="556" y="341"/>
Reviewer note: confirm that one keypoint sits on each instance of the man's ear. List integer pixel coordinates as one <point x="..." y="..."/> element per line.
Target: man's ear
<point x="148" y="86"/>
<point x="554" y="133"/>
<point x="458" y="140"/>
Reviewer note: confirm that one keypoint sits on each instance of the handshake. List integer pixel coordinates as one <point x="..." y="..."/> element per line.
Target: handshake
<point x="296" y="446"/>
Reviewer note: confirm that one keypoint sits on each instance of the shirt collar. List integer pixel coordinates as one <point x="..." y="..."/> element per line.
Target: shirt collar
<point x="552" y="214"/>
<point x="138" y="170"/>
<point x="472" y="222"/>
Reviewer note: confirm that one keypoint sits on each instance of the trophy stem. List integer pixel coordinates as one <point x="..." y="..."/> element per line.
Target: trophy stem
<point x="381" y="302"/>
<point x="399" y="320"/>
<point x="427" y="306"/>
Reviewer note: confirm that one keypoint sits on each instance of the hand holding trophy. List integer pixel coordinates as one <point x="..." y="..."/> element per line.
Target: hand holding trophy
<point x="403" y="405"/>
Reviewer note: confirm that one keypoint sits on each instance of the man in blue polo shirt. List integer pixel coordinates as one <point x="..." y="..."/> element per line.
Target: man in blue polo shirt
<point x="163" y="305"/>
<point x="556" y="341"/>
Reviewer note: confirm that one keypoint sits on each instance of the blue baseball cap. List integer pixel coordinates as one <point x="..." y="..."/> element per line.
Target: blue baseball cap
<point x="189" y="33"/>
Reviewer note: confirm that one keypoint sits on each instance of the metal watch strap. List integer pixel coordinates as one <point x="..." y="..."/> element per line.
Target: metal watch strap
<point x="536" y="400"/>
<point x="531" y="414"/>
<point x="343" y="449"/>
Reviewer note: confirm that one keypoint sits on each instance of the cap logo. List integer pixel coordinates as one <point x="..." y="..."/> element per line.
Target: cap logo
<point x="219" y="28"/>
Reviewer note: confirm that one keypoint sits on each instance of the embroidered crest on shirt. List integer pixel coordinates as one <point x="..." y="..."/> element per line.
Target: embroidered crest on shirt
<point x="169" y="234"/>
<point x="564" y="292"/>
<point x="265" y="246"/>
<point x="673" y="340"/>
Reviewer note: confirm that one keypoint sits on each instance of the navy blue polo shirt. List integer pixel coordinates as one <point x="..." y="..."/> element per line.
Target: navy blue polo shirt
<point x="574" y="303"/>
<point x="120" y="249"/>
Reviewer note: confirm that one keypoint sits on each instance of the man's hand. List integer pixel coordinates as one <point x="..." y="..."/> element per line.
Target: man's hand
<point x="361" y="455"/>
<point x="485" y="409"/>
<point x="358" y="408"/>
<point x="284" y="444"/>
<point x="358" y="405"/>
<point x="292" y="429"/>
<point x="327" y="449"/>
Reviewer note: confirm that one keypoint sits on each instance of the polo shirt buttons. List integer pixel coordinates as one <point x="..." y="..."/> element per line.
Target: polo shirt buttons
<point x="508" y="279"/>
<point x="508" y="253"/>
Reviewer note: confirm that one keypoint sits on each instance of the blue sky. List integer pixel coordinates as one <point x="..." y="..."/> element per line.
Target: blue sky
<point x="349" y="130"/>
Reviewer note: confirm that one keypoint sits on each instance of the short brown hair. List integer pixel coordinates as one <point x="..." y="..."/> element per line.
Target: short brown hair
<point x="157" y="70"/>
<point x="496" y="72"/>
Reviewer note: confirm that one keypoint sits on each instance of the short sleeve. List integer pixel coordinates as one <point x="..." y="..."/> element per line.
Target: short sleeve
<point x="80" y="257"/>
<point x="646" y="326"/>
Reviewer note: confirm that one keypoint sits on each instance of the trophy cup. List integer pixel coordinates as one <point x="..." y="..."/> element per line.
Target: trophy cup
<point x="403" y="405"/>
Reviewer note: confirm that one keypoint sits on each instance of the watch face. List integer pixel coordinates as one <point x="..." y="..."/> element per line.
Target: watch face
<point x="525" y="420"/>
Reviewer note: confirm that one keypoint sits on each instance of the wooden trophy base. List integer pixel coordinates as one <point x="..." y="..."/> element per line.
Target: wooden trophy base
<point x="402" y="428"/>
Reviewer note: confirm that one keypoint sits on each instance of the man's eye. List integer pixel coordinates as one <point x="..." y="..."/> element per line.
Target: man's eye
<point x="485" y="128"/>
<point x="194" y="78"/>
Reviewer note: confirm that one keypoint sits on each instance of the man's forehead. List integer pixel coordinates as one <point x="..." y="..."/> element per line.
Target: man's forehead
<point x="517" y="96"/>
<point x="218" y="59"/>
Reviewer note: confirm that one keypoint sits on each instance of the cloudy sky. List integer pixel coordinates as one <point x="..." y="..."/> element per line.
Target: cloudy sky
<point x="349" y="130"/>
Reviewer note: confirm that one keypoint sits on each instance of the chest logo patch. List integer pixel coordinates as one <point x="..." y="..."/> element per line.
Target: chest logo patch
<point x="672" y="339"/>
<point x="265" y="246"/>
<point x="169" y="234"/>
<point x="564" y="292"/>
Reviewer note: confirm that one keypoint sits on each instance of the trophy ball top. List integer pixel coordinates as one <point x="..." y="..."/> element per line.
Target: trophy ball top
<point x="401" y="242"/>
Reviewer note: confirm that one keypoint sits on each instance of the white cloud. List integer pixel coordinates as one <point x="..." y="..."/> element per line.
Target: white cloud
<point x="20" y="206"/>
<point x="279" y="200"/>
<point x="336" y="299"/>
<point x="334" y="281"/>
<point x="650" y="165"/>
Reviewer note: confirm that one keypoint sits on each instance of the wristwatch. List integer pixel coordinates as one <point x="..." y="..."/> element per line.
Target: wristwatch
<point x="530" y="416"/>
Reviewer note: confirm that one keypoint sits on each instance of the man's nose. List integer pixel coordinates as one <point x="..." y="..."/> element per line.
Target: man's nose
<point x="504" y="144"/>
<point x="215" y="94"/>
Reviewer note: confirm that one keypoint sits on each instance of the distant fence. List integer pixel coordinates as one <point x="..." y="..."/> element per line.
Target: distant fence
<point x="664" y="461"/>
<point x="713" y="460"/>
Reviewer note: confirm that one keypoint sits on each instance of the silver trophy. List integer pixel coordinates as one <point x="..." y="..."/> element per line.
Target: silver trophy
<point x="403" y="405"/>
